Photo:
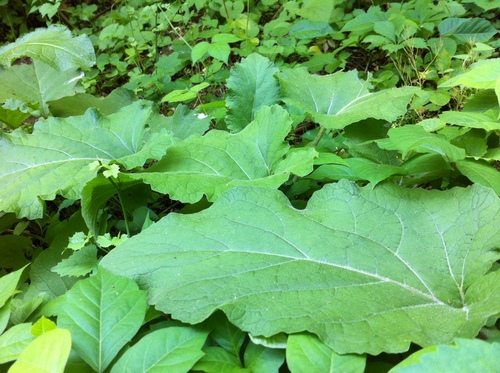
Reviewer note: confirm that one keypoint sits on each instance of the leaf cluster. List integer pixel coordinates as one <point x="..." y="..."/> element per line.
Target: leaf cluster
<point x="250" y="186"/>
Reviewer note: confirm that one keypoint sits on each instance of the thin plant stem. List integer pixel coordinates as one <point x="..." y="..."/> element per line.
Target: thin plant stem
<point x="119" y="192"/>
<point x="317" y="139"/>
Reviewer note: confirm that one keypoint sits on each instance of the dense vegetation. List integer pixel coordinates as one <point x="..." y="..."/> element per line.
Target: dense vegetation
<point x="249" y="186"/>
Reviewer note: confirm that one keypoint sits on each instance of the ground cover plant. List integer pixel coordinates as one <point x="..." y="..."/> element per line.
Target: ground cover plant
<point x="249" y="186"/>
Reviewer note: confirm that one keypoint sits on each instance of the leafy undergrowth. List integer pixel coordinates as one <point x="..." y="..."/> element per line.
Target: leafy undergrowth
<point x="260" y="186"/>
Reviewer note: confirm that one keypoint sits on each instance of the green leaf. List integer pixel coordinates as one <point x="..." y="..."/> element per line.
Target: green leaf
<point x="349" y="267"/>
<point x="182" y="124"/>
<point x="470" y="120"/>
<point x="482" y="75"/>
<point x="337" y="100"/>
<point x="8" y="285"/>
<point x="260" y="359"/>
<point x="251" y="86"/>
<point x="43" y="325"/>
<point x="226" y="335"/>
<point x="14" y="341"/>
<point x="220" y="51"/>
<point x="304" y="29"/>
<point x="43" y="280"/>
<point x="217" y="360"/>
<point x="316" y="10"/>
<point x="54" y="46"/>
<point x="356" y="169"/>
<point x="485" y="4"/>
<point x="173" y="349"/>
<point x="79" y="103"/>
<point x="306" y="353"/>
<point x="47" y="353"/>
<point x="480" y="172"/>
<point x="199" y="50"/>
<point x="80" y="263"/>
<point x="463" y="356"/>
<point x="102" y="313"/>
<point x="37" y="83"/>
<point x="414" y="138"/>
<point x="467" y="30"/>
<point x="218" y="161"/>
<point x="55" y="158"/>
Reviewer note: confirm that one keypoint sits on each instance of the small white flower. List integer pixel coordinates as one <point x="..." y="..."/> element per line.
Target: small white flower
<point x="202" y="116"/>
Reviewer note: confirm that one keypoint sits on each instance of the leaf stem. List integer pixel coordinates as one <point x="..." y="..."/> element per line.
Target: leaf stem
<point x="119" y="192"/>
<point x="317" y="139"/>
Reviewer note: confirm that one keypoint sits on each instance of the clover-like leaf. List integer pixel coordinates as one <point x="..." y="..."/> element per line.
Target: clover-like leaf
<point x="366" y="270"/>
<point x="218" y="161"/>
<point x="55" y="158"/>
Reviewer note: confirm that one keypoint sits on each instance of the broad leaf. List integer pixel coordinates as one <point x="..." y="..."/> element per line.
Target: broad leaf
<point x="356" y="169"/>
<point x="482" y="74"/>
<point x="337" y="100"/>
<point x="8" y="285"/>
<point x="357" y="267"/>
<point x="414" y="138"/>
<point x="218" y="161"/>
<point x="173" y="349"/>
<point x="463" y="356"/>
<point x="79" y="103"/>
<point x="467" y="30"/>
<point x="37" y="83"/>
<point x="480" y="172"/>
<point x="54" y="46"/>
<point x="182" y="124"/>
<point x="306" y="353"/>
<point x="217" y="360"/>
<point x="47" y="353"/>
<point x="55" y="158"/>
<point x="260" y="359"/>
<point x="251" y="86"/>
<point x="80" y="263"/>
<point x="471" y="120"/>
<point x="102" y="313"/>
<point x="14" y="341"/>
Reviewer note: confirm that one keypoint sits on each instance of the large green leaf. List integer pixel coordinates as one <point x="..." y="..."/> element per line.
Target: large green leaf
<point x="365" y="270"/>
<point x="251" y="86"/>
<point x="173" y="349"/>
<point x="53" y="45"/>
<point x="218" y="161"/>
<point x="37" y="83"/>
<point x="337" y="100"/>
<point x="55" y="158"/>
<point x="463" y="356"/>
<point x="102" y="313"/>
<point x="47" y="353"/>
